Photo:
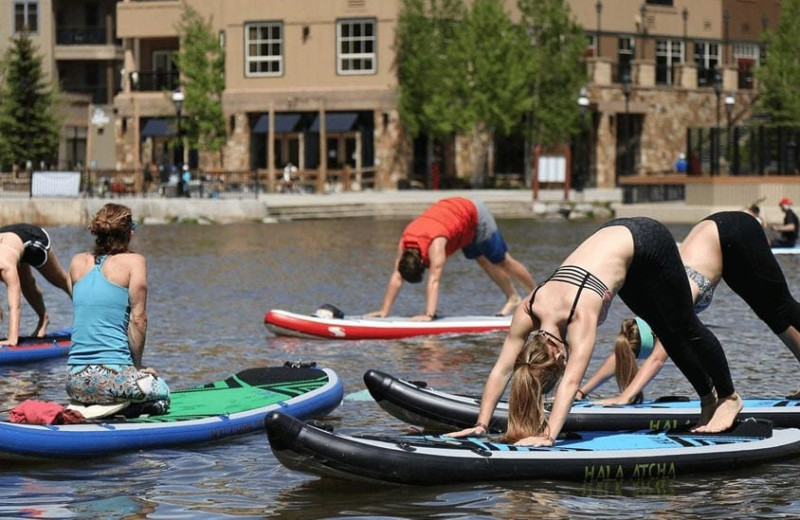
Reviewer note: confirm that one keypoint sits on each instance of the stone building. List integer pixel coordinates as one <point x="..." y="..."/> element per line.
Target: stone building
<point x="312" y="83"/>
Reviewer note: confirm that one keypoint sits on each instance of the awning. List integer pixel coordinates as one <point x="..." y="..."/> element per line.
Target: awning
<point x="284" y="123"/>
<point x="336" y="122"/>
<point x="157" y="127"/>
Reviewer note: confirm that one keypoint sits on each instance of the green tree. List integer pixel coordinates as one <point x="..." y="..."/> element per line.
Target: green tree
<point x="779" y="77"/>
<point x="492" y="54"/>
<point x="428" y="78"/>
<point x="29" y="128"/>
<point x="558" y="72"/>
<point x="201" y="62"/>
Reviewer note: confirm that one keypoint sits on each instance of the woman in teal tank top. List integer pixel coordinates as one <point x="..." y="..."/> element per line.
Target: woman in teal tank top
<point x="110" y="320"/>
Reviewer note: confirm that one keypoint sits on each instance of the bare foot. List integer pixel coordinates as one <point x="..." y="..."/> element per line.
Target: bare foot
<point x="708" y="405"/>
<point x="510" y="306"/>
<point x="794" y="395"/>
<point x="726" y="411"/>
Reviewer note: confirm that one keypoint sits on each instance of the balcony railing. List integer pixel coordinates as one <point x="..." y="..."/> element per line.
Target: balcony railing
<point x="81" y="36"/>
<point x="154" y="81"/>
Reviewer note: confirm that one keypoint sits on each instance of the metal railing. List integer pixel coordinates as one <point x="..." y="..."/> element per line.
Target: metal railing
<point x="222" y="184"/>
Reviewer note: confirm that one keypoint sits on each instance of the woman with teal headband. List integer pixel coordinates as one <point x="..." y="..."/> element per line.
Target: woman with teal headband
<point x="635" y="341"/>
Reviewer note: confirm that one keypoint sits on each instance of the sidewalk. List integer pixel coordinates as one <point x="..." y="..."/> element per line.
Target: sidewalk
<point x="366" y="204"/>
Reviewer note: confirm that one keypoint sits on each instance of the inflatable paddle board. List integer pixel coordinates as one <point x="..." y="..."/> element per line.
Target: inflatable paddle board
<point x="786" y="250"/>
<point x="53" y="344"/>
<point x="234" y="406"/>
<point x="415" y="403"/>
<point x="285" y="323"/>
<point x="583" y="456"/>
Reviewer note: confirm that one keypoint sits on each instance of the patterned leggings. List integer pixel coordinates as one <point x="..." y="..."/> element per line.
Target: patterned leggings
<point x="103" y="384"/>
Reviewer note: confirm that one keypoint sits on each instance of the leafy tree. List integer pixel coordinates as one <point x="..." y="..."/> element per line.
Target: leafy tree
<point x="558" y="70"/>
<point x="492" y="54"/>
<point x="779" y="77"/>
<point x="29" y="128"/>
<point x="428" y="78"/>
<point x="201" y="62"/>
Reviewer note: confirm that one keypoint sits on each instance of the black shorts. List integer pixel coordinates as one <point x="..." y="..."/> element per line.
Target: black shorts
<point x="35" y="240"/>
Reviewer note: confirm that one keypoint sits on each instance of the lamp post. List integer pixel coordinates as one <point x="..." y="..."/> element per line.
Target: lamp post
<point x="643" y="13"/>
<point x="715" y="140"/>
<point x="733" y="165"/>
<point x="685" y="16"/>
<point x="583" y="107"/>
<point x="177" y="101"/>
<point x="726" y="17"/>
<point x="598" y="6"/>
<point x="626" y="91"/>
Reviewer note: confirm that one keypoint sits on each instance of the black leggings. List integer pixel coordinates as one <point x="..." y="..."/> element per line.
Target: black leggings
<point x="657" y="290"/>
<point x="750" y="269"/>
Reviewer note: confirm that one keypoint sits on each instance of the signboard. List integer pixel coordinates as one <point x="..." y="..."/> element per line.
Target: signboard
<point x="55" y="184"/>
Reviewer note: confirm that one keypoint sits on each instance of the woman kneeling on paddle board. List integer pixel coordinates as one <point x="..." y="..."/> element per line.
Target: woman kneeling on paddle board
<point x="730" y="246"/>
<point x="110" y="320"/>
<point x="553" y="331"/>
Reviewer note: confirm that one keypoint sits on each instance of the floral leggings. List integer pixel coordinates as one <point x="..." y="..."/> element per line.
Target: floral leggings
<point x="102" y="384"/>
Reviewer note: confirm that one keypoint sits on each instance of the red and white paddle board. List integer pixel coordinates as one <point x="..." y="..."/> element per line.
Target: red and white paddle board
<point x="285" y="323"/>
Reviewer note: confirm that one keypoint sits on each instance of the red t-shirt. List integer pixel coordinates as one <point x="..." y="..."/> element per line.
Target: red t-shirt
<point x="455" y="219"/>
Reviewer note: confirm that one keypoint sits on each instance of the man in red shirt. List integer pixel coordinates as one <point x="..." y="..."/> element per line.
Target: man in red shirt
<point x="444" y="228"/>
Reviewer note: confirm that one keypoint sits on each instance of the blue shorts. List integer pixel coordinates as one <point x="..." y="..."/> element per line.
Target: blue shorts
<point x="488" y="241"/>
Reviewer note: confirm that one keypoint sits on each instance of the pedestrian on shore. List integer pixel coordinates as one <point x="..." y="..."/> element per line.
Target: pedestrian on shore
<point x="105" y="364"/>
<point x="681" y="165"/>
<point x="553" y="332"/>
<point x="444" y="228"/>
<point x="790" y="227"/>
<point x="22" y="247"/>
<point x="730" y="246"/>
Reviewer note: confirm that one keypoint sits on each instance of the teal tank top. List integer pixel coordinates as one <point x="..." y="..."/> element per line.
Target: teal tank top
<point x="101" y="313"/>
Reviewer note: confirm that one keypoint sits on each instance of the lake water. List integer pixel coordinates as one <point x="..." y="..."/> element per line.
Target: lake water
<point x="210" y="287"/>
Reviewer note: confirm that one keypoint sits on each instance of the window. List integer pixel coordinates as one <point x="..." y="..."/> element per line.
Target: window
<point x="706" y="55"/>
<point x="591" y="45"/>
<point x="26" y="17"/>
<point x="746" y="55"/>
<point x="355" y="47"/>
<point x="626" y="47"/>
<point x="263" y="49"/>
<point x="668" y="53"/>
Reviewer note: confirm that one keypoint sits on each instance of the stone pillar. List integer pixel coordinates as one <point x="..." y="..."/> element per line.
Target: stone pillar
<point x="644" y="73"/>
<point x="599" y="71"/>
<point x="686" y="75"/>
<point x="730" y="78"/>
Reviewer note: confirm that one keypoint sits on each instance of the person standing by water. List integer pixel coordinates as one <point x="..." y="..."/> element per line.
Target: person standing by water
<point x="553" y="332"/>
<point x="444" y="228"/>
<point x="22" y="247"/>
<point x="105" y="364"/>
<point x="790" y="227"/>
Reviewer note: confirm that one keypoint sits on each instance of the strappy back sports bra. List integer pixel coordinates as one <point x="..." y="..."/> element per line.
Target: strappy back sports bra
<point x="580" y="278"/>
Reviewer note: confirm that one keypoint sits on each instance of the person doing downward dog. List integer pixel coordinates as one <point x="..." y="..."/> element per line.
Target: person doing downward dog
<point x="553" y="331"/>
<point x="110" y="320"/>
<point x="444" y="228"/>
<point x="730" y="246"/>
<point x="635" y="341"/>
<point x="22" y="247"/>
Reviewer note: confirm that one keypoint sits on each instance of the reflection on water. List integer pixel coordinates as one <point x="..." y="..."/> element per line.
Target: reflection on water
<point x="209" y="288"/>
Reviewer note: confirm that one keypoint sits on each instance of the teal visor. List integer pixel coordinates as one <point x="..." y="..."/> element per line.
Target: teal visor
<point x="646" y="338"/>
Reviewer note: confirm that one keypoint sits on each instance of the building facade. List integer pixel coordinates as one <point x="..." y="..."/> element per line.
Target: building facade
<point x="82" y="56"/>
<point x="310" y="84"/>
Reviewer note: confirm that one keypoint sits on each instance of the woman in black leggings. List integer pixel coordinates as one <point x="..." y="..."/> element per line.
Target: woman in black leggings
<point x="552" y="334"/>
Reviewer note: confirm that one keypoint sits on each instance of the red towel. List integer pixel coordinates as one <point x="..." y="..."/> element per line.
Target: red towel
<point x="42" y="412"/>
